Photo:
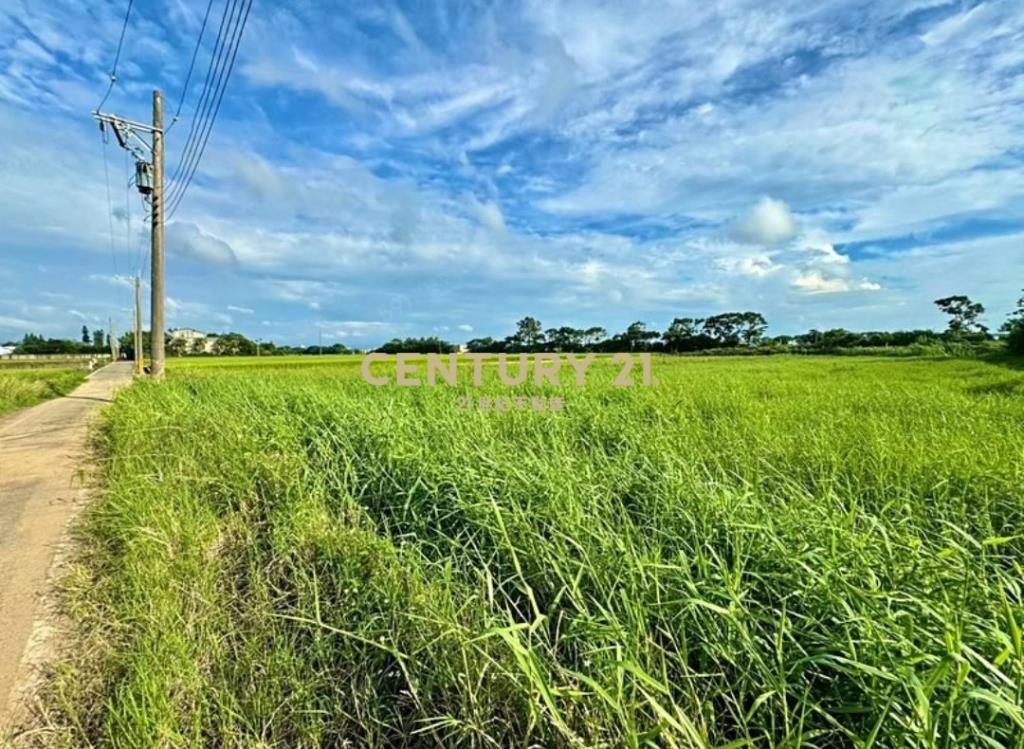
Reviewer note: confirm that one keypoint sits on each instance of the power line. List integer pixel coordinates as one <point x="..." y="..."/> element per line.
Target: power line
<point x="188" y="77"/>
<point x="235" y="45"/>
<point x="201" y="106"/>
<point x="110" y="206"/>
<point x="127" y="207"/>
<point x="117" y="58"/>
<point x="209" y="115"/>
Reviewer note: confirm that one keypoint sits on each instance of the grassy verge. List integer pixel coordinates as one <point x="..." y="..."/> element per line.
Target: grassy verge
<point x="758" y="552"/>
<point x="26" y="387"/>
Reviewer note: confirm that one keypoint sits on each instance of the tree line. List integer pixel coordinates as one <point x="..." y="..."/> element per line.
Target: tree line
<point x="90" y="342"/>
<point x="738" y="331"/>
<point x="728" y="330"/>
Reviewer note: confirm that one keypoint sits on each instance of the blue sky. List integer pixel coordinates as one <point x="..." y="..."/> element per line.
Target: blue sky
<point x="385" y="169"/>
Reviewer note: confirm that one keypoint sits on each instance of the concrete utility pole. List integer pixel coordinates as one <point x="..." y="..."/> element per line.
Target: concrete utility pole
<point x="139" y="370"/>
<point x="110" y="339"/>
<point x="149" y="179"/>
<point x="156" y="332"/>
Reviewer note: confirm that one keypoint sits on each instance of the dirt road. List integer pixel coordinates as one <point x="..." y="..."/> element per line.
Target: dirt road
<point x="41" y="449"/>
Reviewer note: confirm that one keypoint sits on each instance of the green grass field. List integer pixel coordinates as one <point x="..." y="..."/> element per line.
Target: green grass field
<point x="819" y="552"/>
<point x="20" y="387"/>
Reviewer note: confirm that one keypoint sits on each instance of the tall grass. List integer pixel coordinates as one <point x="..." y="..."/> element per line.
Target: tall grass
<point x="757" y="552"/>
<point x="26" y="387"/>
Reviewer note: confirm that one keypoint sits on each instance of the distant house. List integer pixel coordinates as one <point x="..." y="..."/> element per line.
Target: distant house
<point x="195" y="341"/>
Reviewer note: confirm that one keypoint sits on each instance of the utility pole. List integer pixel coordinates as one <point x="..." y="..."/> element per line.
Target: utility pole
<point x="138" y="328"/>
<point x="320" y="341"/>
<point x="149" y="179"/>
<point x="156" y="317"/>
<point x="110" y="339"/>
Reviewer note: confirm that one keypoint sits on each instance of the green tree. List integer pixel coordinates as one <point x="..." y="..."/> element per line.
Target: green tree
<point x="593" y="336"/>
<point x="752" y="327"/>
<point x="485" y="345"/>
<point x="177" y="347"/>
<point x="683" y="334"/>
<point x="86" y="338"/>
<point x="529" y="334"/>
<point x="1014" y="328"/>
<point x="565" y="338"/>
<point x="638" y="337"/>
<point x="233" y="344"/>
<point x="723" y="329"/>
<point x="963" y="314"/>
<point x="99" y="339"/>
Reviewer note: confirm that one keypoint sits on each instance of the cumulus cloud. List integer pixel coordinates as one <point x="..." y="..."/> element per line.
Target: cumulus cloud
<point x="768" y="222"/>
<point x="814" y="282"/>
<point x="189" y="241"/>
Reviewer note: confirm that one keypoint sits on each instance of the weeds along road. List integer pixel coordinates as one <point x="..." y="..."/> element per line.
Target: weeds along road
<point x="41" y="449"/>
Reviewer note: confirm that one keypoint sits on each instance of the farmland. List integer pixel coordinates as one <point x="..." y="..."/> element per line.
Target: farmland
<point x="21" y="387"/>
<point x="768" y="551"/>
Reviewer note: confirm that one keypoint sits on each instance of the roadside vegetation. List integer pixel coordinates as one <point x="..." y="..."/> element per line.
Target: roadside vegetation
<point x="21" y="387"/>
<point x="776" y="551"/>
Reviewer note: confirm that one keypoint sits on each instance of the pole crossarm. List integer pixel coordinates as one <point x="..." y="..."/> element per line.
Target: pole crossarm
<point x="113" y="118"/>
<point x="126" y="129"/>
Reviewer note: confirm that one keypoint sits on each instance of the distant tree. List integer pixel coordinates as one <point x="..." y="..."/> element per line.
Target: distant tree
<point x="735" y="328"/>
<point x="752" y="327"/>
<point x="963" y="314"/>
<point x="1014" y="328"/>
<point x="233" y="344"/>
<point x="127" y="343"/>
<point x="99" y="339"/>
<point x="486" y="345"/>
<point x="36" y="344"/>
<point x="431" y="345"/>
<point x="723" y="329"/>
<point x="638" y="337"/>
<point x="565" y="339"/>
<point x="593" y="336"/>
<point x="684" y="334"/>
<point x="86" y="338"/>
<point x="1017" y="315"/>
<point x="177" y="347"/>
<point x="529" y="334"/>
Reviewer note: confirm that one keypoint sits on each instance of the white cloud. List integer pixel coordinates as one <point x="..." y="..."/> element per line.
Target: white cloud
<point x="768" y="222"/>
<point x="759" y="266"/>
<point x="354" y="328"/>
<point x="466" y="328"/>
<point x="814" y="282"/>
<point x="189" y="241"/>
<point x="491" y="216"/>
<point x="126" y="282"/>
<point x="241" y="310"/>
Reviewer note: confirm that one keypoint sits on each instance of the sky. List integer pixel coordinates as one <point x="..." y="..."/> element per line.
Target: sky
<point x="383" y="169"/>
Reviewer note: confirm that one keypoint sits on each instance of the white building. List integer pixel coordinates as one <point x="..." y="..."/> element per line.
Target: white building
<point x="196" y="341"/>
